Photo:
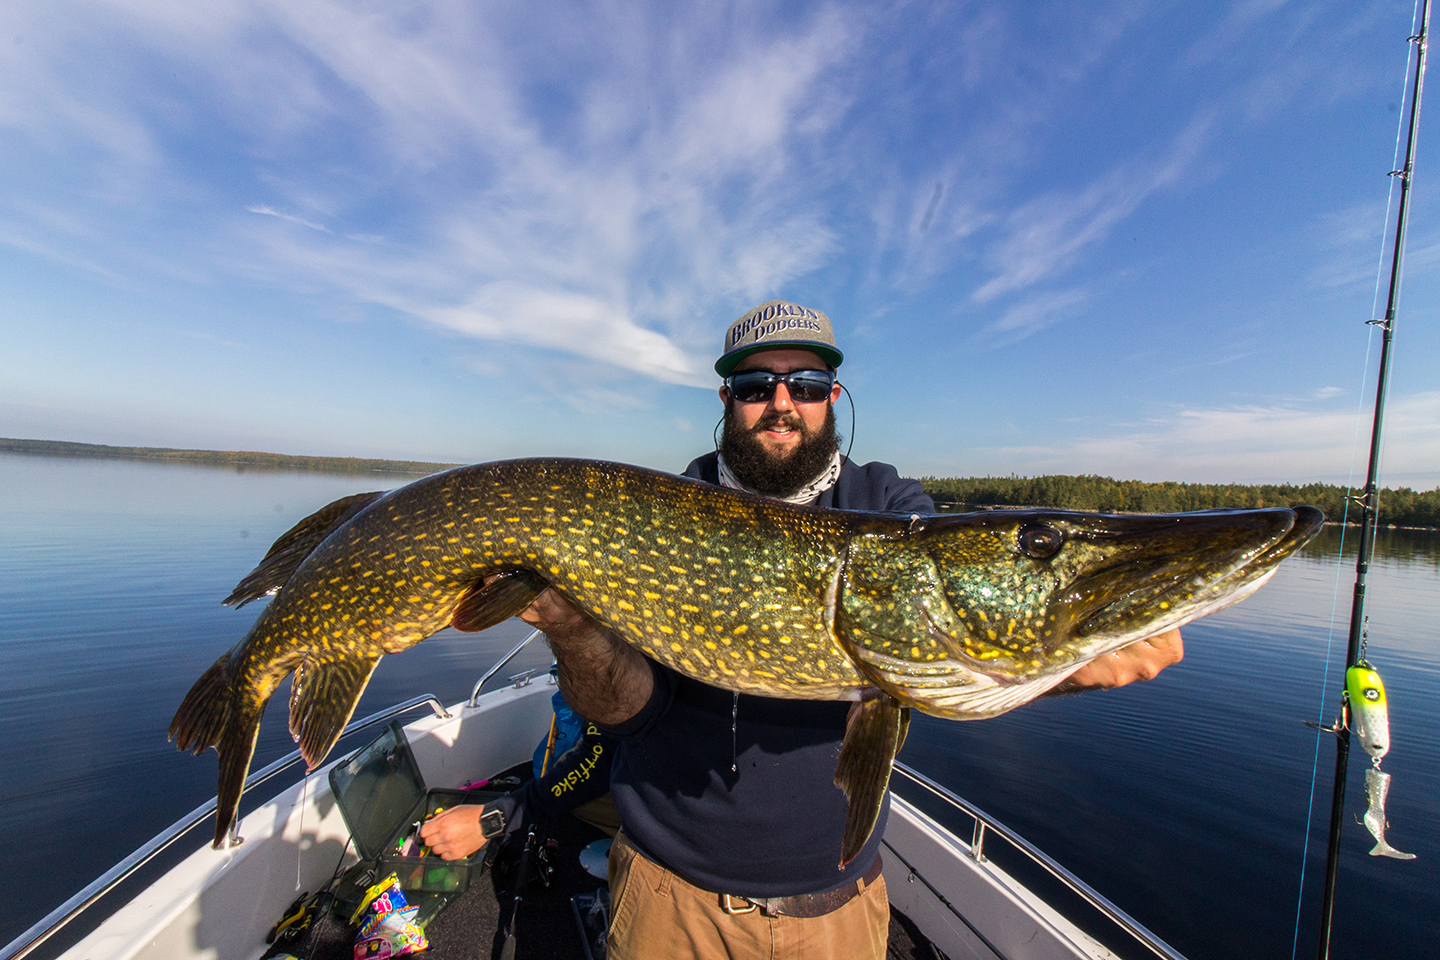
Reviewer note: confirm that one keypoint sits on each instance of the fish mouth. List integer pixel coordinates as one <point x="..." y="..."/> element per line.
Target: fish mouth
<point x="1208" y="563"/>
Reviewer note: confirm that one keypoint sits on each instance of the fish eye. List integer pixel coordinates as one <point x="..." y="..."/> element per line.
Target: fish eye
<point x="1039" y="541"/>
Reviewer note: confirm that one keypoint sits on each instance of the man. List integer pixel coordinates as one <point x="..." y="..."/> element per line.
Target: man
<point x="731" y="821"/>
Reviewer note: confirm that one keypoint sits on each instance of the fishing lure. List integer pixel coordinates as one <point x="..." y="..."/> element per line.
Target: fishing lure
<point x="1377" y="787"/>
<point x="1369" y="714"/>
<point x="1370" y="721"/>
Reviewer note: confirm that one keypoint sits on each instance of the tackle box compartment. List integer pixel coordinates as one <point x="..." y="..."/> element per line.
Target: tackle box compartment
<point x="382" y="794"/>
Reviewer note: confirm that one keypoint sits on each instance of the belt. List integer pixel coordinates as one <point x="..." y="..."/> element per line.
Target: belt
<point x="805" y="904"/>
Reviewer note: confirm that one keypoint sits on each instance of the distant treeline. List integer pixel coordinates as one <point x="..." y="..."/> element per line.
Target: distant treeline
<point x="1402" y="507"/>
<point x="243" y="459"/>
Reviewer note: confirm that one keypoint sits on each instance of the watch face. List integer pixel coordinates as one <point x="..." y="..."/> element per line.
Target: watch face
<point x="492" y="823"/>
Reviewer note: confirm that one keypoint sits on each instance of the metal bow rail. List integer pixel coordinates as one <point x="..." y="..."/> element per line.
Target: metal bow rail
<point x="986" y="824"/>
<point x="24" y="944"/>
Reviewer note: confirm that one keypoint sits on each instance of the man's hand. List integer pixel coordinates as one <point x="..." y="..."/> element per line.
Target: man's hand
<point x="1141" y="660"/>
<point x="454" y="833"/>
<point x="603" y="678"/>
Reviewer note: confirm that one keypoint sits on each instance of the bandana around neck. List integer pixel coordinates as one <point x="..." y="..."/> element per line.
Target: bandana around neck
<point x="805" y="495"/>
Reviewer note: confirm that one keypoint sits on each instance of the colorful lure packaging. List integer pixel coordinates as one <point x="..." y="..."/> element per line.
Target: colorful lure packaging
<point x="387" y="923"/>
<point x="395" y="935"/>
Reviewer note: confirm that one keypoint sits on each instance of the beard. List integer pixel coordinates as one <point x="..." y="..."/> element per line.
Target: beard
<point x="778" y="476"/>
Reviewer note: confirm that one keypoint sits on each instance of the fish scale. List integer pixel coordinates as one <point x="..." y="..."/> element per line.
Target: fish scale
<point x="710" y="594"/>
<point x="960" y="616"/>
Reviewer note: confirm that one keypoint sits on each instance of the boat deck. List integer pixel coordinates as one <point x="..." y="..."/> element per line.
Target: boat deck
<point x="472" y="926"/>
<point x="208" y="904"/>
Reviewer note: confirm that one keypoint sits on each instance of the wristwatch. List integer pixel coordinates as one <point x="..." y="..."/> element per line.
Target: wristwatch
<point x="492" y="823"/>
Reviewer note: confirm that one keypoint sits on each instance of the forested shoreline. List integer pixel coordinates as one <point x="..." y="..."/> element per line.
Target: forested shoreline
<point x="1402" y="507"/>
<point x="240" y="459"/>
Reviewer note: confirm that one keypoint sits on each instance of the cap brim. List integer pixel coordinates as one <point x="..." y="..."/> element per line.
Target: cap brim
<point x="726" y="365"/>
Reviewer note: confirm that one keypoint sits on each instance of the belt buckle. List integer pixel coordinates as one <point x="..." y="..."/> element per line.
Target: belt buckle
<point x="727" y="903"/>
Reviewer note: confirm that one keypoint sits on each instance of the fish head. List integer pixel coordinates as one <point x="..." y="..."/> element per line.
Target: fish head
<point x="972" y="615"/>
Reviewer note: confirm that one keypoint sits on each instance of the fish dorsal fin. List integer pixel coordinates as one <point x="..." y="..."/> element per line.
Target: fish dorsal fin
<point x="323" y="696"/>
<point x="294" y="545"/>
<point x="485" y="605"/>
<point x="874" y="731"/>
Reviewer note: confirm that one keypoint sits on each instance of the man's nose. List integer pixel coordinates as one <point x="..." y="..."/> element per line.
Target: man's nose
<point x="781" y="401"/>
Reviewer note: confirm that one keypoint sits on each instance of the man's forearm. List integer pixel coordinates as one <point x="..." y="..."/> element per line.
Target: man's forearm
<point x="603" y="678"/>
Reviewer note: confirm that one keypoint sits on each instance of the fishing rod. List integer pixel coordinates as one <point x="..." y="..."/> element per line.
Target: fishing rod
<point x="1369" y="501"/>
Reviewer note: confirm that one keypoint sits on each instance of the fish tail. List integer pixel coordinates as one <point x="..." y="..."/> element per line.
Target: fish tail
<point x="202" y="717"/>
<point x="217" y="714"/>
<point x="1383" y="849"/>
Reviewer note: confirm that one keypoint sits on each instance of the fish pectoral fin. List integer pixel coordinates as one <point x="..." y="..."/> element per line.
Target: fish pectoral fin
<point x="323" y="696"/>
<point x="485" y="605"/>
<point x="287" y="553"/>
<point x="874" y="731"/>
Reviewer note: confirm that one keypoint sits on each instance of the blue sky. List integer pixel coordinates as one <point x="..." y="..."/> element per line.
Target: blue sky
<point x="1134" y="239"/>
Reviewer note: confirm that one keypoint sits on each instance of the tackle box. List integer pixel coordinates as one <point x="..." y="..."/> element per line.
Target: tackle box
<point x="382" y="794"/>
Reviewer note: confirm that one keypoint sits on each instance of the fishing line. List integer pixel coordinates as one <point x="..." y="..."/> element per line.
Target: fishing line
<point x="734" y="723"/>
<point x="300" y="840"/>
<point x="1350" y="478"/>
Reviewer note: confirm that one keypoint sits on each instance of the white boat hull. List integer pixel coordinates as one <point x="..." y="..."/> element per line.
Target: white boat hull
<point x="219" y="905"/>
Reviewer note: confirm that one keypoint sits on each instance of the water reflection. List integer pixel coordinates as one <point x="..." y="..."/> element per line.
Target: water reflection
<point x="1392" y="544"/>
<point x="1183" y="799"/>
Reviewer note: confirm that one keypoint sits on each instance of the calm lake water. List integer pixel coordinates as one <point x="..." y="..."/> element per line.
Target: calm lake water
<point x="1184" y="799"/>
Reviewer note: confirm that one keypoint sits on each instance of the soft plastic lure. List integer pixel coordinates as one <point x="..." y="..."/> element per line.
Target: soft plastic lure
<point x="1377" y="787"/>
<point x="1370" y="721"/>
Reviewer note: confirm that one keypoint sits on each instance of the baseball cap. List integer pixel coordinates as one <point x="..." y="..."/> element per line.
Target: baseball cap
<point x="776" y="324"/>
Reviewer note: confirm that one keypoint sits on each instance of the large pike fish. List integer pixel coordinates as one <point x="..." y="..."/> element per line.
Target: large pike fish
<point x="960" y="616"/>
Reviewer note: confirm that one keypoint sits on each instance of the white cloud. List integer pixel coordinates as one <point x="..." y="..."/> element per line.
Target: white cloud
<point x="1046" y="235"/>
<point x="604" y="189"/>
<point x="571" y="323"/>
<point x="1035" y="313"/>
<point x="1284" y="441"/>
<point x="266" y="211"/>
<point x="1352" y="246"/>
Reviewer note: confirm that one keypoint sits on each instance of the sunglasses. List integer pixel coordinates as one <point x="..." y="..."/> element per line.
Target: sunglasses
<point x="758" y="386"/>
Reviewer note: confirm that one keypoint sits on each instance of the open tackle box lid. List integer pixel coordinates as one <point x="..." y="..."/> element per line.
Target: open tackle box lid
<point x="382" y="794"/>
<point x="377" y="789"/>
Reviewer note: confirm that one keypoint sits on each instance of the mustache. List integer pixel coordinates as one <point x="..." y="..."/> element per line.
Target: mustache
<point x="777" y="418"/>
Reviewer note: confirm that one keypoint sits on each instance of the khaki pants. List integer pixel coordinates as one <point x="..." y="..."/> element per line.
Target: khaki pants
<point x="655" y="914"/>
